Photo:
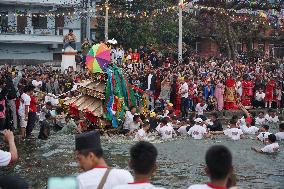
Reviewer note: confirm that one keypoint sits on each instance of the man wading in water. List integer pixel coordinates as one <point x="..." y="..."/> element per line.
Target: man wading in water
<point x="90" y="158"/>
<point x="143" y="156"/>
<point x="219" y="168"/>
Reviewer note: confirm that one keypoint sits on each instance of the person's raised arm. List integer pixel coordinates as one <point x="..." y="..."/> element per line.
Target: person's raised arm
<point x="256" y="150"/>
<point x="9" y="137"/>
<point x="244" y="110"/>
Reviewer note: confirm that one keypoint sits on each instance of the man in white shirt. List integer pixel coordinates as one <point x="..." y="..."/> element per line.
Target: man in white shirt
<point x="135" y="124"/>
<point x="141" y="134"/>
<point x="263" y="135"/>
<point x="8" y="157"/>
<point x="90" y="158"/>
<point x="184" y="128"/>
<point x="259" y="99"/>
<point x="37" y="83"/>
<point x="198" y="131"/>
<point x="45" y="110"/>
<point x="143" y="157"/>
<point x="200" y="108"/>
<point x="233" y="132"/>
<point x="271" y="117"/>
<point x="165" y="130"/>
<point x="218" y="167"/>
<point x="128" y="119"/>
<point x="272" y="147"/>
<point x="247" y="128"/>
<point x="280" y="134"/>
<point x="183" y="91"/>
<point x="113" y="55"/>
<point x="260" y="119"/>
<point x="24" y="109"/>
<point x="119" y="55"/>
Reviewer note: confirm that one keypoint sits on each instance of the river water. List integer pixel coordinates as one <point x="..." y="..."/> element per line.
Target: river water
<point x="181" y="161"/>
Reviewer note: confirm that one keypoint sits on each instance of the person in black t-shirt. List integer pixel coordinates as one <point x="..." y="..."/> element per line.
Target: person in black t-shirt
<point x="217" y="125"/>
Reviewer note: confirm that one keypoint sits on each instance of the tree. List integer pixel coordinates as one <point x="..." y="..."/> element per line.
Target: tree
<point x="155" y="23"/>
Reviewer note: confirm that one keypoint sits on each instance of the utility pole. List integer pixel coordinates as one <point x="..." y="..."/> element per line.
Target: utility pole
<point x="106" y="21"/>
<point x="180" y="31"/>
<point x="87" y="12"/>
<point x="88" y="18"/>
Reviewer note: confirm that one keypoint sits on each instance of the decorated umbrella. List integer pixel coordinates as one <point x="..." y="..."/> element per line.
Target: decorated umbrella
<point x="98" y="58"/>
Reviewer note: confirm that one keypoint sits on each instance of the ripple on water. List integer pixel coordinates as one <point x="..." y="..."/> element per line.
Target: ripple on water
<point x="56" y="151"/>
<point x="180" y="161"/>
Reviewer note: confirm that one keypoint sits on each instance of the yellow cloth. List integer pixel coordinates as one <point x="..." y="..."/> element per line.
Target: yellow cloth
<point x="152" y="114"/>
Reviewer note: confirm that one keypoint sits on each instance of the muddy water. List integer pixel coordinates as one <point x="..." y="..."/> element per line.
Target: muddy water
<point x="181" y="161"/>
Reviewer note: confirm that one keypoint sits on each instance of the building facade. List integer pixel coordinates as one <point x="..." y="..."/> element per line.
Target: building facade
<point x="34" y="29"/>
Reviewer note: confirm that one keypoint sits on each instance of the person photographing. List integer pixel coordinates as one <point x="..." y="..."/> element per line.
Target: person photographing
<point x="7" y="158"/>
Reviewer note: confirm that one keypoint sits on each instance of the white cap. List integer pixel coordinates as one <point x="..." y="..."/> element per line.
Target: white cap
<point x="198" y="120"/>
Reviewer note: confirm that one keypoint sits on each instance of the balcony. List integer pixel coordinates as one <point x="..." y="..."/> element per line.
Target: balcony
<point x="31" y="38"/>
<point x="36" y="36"/>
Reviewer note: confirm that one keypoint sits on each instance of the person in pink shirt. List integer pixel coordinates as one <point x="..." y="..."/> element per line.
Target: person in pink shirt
<point x="2" y="111"/>
<point x="219" y="94"/>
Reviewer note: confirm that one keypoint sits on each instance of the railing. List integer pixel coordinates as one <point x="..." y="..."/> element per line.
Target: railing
<point x="42" y="2"/>
<point x="40" y="36"/>
<point x="14" y="30"/>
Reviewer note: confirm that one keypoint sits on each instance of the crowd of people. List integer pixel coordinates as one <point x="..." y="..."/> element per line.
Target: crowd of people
<point x="178" y="96"/>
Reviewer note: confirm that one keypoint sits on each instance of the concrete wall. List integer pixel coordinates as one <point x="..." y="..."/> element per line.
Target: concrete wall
<point x="25" y="51"/>
<point x="38" y="39"/>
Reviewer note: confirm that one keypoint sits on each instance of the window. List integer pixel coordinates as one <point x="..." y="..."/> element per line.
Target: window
<point x="39" y="21"/>
<point x="3" y="21"/>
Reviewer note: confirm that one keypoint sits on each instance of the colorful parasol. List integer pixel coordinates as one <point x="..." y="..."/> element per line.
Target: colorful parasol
<point x="98" y="58"/>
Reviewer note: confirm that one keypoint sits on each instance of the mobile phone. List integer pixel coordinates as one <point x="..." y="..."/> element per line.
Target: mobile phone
<point x="62" y="183"/>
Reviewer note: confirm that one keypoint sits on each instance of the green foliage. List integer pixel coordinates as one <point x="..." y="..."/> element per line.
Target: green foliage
<point x="153" y="28"/>
<point x="160" y="29"/>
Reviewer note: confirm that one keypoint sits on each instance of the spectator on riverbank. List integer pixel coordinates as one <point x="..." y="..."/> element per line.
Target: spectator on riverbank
<point x="24" y="109"/>
<point x="7" y="158"/>
<point x="32" y="117"/>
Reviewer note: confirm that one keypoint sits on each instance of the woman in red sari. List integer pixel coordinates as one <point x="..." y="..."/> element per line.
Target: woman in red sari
<point x="247" y="94"/>
<point x="230" y="94"/>
<point x="269" y="89"/>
